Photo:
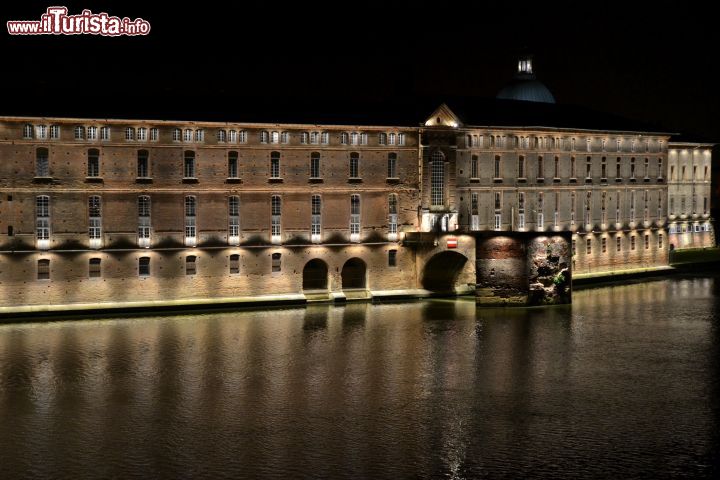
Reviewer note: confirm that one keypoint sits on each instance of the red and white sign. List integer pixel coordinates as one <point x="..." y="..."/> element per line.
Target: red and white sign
<point x="452" y="242"/>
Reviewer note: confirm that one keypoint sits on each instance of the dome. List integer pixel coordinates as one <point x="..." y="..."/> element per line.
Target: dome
<point x="525" y="86"/>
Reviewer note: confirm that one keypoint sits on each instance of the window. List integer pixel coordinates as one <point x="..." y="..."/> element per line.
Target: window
<point x="142" y="134"/>
<point x="234" y="220"/>
<point x="541" y="168"/>
<point x="382" y="139"/>
<point x="474" y="166"/>
<point x="190" y="221"/>
<point x="234" y="264"/>
<point x="354" y="165"/>
<point x="354" y="218"/>
<point x="603" y="243"/>
<point x="27" y="131"/>
<point x="95" y="220"/>
<point x="474" y="211"/>
<point x="41" y="132"/>
<point x="43" y="269"/>
<point x="129" y="133"/>
<point x="221" y="136"/>
<point x="588" y="246"/>
<point x="187" y="135"/>
<point x="392" y="217"/>
<point x="190" y="265"/>
<point x="79" y="133"/>
<point x="618" y="243"/>
<point x="392" y="258"/>
<point x="42" y="164"/>
<point x="275" y="165"/>
<point x="105" y="133"/>
<point x="315" y="165"/>
<point x="276" y="211"/>
<point x="144" y="221"/>
<point x="189" y="164"/>
<point x="392" y="165"/>
<point x="498" y="171"/>
<point x="154" y="134"/>
<point x="233" y="165"/>
<point x="144" y="266"/>
<point x="94" y="268"/>
<point x="42" y="220"/>
<point x="437" y="180"/>
<point x="55" y="132"/>
<point x="316" y="218"/>
<point x="143" y="164"/>
<point x="93" y="165"/>
<point x="276" y="262"/>
<point x="521" y="166"/>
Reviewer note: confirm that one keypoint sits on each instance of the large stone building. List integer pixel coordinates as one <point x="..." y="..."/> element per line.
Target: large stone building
<point x="121" y="213"/>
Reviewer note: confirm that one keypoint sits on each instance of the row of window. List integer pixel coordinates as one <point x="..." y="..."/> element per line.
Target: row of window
<point x="42" y="164"/>
<point x="618" y="244"/>
<point x="94" y="213"/>
<point x="188" y="135"/>
<point x="191" y="265"/>
<point x="522" y="170"/>
<point x="557" y="143"/>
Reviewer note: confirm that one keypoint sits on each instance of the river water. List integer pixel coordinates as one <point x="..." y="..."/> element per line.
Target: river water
<point x="625" y="383"/>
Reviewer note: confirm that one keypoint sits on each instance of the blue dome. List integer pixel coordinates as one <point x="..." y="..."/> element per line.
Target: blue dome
<point x="525" y="86"/>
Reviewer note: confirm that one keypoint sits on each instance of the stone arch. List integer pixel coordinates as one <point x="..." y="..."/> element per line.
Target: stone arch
<point x="354" y="274"/>
<point x="442" y="270"/>
<point x="315" y="275"/>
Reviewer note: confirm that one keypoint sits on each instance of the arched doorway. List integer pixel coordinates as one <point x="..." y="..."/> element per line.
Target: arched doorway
<point x="315" y="275"/>
<point x="442" y="270"/>
<point x="353" y="274"/>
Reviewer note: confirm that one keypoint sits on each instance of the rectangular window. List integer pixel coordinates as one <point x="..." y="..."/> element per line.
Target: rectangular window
<point x="190" y="265"/>
<point x="144" y="266"/>
<point x="275" y="165"/>
<point x="315" y="165"/>
<point x="276" y="212"/>
<point x="392" y="217"/>
<point x="392" y="258"/>
<point x="354" y="165"/>
<point x="392" y="165"/>
<point x="43" y="269"/>
<point x="276" y="262"/>
<point x="234" y="264"/>
<point x="234" y="220"/>
<point x="316" y="218"/>
<point x="94" y="268"/>
<point x="354" y="218"/>
<point x="190" y="221"/>
<point x="93" y="165"/>
<point x="437" y="180"/>
<point x="233" y="165"/>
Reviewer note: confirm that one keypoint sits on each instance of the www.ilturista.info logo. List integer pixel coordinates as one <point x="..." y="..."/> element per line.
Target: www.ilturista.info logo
<point x="56" y="21"/>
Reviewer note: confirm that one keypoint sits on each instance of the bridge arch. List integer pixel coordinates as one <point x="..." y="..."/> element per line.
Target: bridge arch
<point x="315" y="275"/>
<point x="354" y="274"/>
<point x="442" y="271"/>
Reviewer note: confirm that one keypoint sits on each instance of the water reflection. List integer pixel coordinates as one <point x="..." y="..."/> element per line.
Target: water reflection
<point x="623" y="383"/>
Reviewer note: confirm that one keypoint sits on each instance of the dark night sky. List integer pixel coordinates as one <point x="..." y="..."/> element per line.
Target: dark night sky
<point x="655" y="62"/>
